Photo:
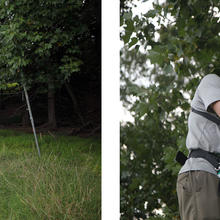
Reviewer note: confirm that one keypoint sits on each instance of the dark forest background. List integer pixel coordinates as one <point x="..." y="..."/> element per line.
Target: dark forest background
<point x="54" y="48"/>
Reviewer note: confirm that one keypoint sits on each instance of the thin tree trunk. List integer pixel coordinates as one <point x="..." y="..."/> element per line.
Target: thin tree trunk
<point x="75" y="103"/>
<point x="51" y="105"/>
<point x="25" y="115"/>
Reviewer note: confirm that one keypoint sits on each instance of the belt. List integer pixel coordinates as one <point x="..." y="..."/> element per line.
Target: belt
<point x="210" y="157"/>
<point x="199" y="153"/>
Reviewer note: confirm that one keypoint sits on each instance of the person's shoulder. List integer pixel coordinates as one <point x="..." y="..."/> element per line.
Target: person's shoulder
<point x="210" y="79"/>
<point x="211" y="76"/>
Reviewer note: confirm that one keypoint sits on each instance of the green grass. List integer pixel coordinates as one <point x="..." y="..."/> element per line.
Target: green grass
<point x="64" y="184"/>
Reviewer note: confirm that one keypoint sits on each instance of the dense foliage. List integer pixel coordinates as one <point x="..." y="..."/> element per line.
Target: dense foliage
<point x="39" y="38"/>
<point x="166" y="52"/>
<point x="48" y="45"/>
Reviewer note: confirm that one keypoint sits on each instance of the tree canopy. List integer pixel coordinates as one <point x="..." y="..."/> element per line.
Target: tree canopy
<point x="51" y="45"/>
<point x="39" y="39"/>
<point x="166" y="53"/>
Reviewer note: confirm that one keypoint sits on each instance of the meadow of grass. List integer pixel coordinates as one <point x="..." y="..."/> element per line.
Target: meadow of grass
<point x="64" y="184"/>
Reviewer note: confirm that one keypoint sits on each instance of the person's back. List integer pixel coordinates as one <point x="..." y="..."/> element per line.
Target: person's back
<point x="197" y="184"/>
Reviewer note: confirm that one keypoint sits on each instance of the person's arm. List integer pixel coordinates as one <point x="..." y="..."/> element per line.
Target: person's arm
<point x="216" y="107"/>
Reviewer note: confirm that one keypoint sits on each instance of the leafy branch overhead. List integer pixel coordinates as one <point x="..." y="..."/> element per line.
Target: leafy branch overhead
<point x="39" y="39"/>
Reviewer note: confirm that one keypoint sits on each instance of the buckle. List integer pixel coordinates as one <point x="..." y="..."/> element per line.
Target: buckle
<point x="218" y="170"/>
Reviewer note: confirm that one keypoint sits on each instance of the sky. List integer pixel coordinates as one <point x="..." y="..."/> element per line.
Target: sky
<point x="143" y="7"/>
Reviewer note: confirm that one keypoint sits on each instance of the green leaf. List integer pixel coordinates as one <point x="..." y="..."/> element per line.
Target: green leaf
<point x="156" y="57"/>
<point x="130" y="26"/>
<point x="121" y="21"/>
<point x="133" y="41"/>
<point x="151" y="14"/>
<point x="128" y="15"/>
<point x="179" y="52"/>
<point x="137" y="47"/>
<point x="168" y="68"/>
<point x="126" y="37"/>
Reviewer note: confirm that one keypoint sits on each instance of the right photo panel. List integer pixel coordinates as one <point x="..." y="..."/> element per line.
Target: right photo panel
<point x="170" y="108"/>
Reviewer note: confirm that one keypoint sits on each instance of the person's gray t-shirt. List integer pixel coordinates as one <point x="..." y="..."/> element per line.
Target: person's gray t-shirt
<point x="203" y="133"/>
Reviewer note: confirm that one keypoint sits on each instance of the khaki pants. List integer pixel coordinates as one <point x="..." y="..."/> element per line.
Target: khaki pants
<point x="198" y="197"/>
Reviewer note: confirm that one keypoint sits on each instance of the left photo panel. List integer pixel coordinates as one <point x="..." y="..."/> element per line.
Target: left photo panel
<point x="50" y="109"/>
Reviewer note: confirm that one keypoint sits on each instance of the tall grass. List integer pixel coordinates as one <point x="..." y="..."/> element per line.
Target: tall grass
<point x="64" y="184"/>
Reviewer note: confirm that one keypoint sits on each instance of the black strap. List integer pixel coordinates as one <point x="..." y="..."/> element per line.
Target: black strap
<point x="210" y="157"/>
<point x="199" y="153"/>
<point x="208" y="116"/>
<point x="181" y="158"/>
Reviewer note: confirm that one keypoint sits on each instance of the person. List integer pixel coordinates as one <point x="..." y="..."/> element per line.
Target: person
<point x="198" y="182"/>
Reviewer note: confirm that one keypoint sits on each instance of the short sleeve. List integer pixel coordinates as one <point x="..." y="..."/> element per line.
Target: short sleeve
<point x="209" y="89"/>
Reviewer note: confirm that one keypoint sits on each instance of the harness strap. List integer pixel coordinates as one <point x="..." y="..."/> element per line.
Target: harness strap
<point x="208" y="116"/>
<point x="210" y="157"/>
<point x="199" y="153"/>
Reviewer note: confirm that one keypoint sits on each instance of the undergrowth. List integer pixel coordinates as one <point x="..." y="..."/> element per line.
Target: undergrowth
<point x="64" y="184"/>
